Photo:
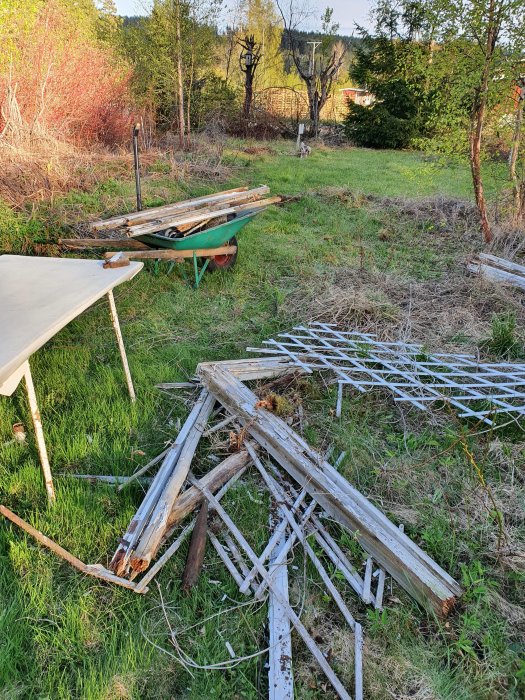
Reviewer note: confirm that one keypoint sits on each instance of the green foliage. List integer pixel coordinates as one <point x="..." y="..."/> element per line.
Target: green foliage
<point x="394" y="71"/>
<point x="389" y="123"/>
<point x="213" y="98"/>
<point x="152" y="46"/>
<point x="425" y="53"/>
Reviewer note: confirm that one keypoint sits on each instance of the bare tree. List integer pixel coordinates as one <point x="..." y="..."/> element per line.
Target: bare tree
<point x="248" y="61"/>
<point x="318" y="74"/>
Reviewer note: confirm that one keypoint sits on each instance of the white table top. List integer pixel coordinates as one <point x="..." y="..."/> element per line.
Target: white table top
<point x="39" y="296"/>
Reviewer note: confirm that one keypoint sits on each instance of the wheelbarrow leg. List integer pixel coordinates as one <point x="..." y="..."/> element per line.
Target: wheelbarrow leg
<point x="198" y="275"/>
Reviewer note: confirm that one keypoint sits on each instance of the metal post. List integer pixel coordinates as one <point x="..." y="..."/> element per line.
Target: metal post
<point x="136" y="163"/>
<point x="120" y="342"/>
<point x="37" y="423"/>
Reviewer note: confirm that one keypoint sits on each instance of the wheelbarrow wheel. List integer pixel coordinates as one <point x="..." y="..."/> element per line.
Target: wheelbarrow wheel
<point x="224" y="262"/>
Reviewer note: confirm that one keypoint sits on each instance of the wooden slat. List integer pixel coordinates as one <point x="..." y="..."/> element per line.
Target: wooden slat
<point x="122" y="219"/>
<point x="120" y="561"/>
<point x="502" y="263"/>
<point x="280" y="675"/>
<point x="242" y="199"/>
<point x="173" y="548"/>
<point x="174" y="255"/>
<point x="102" y="243"/>
<point x="403" y="559"/>
<point x="195" y="217"/>
<point x="96" y="570"/>
<point x="294" y="619"/>
<point x="196" y="550"/>
<point x="496" y="274"/>
<point x="151" y="538"/>
<point x="234" y="465"/>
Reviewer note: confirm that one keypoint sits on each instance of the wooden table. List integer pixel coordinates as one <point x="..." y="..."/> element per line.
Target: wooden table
<point x="38" y="297"/>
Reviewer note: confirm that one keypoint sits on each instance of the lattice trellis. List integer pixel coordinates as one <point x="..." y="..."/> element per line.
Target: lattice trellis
<point x="477" y="389"/>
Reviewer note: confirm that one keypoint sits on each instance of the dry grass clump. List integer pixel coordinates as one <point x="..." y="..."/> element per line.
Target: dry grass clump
<point x="202" y="158"/>
<point x="446" y="315"/>
<point x="41" y="169"/>
<point x="385" y="676"/>
<point x="441" y="213"/>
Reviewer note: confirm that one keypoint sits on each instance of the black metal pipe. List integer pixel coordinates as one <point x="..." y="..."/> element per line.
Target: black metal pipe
<point x="136" y="162"/>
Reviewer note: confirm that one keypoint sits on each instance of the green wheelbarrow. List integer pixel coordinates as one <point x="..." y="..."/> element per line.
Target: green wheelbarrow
<point x="217" y="247"/>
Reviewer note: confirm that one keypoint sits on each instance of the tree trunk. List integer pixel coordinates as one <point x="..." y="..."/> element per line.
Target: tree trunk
<point x="179" y="79"/>
<point x="248" y="93"/>
<point x="188" y="97"/>
<point x="517" y="186"/>
<point x="313" y="104"/>
<point x="475" y="166"/>
<point x="478" y="120"/>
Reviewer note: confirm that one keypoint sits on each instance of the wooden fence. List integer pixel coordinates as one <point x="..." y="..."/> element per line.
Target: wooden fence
<point x="293" y="104"/>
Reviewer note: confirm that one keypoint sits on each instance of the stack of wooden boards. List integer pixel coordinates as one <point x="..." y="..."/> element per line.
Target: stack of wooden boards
<point x="181" y="218"/>
<point x="304" y="488"/>
<point x="498" y="269"/>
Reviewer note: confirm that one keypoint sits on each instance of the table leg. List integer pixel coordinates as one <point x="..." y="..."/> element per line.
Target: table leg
<point x="120" y="342"/>
<point x="37" y="423"/>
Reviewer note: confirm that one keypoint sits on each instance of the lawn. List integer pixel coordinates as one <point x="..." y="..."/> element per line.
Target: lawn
<point x="364" y="243"/>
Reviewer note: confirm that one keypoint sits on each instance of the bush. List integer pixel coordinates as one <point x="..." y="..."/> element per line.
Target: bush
<point x="212" y="98"/>
<point x="390" y="122"/>
<point x="63" y="84"/>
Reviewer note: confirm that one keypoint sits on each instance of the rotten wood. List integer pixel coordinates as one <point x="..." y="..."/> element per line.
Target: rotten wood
<point x="173" y="548"/>
<point x="191" y="499"/>
<point x="194" y="217"/>
<point x="102" y="243"/>
<point x="165" y="209"/>
<point x="120" y="561"/>
<point x="150" y="540"/>
<point x="197" y="549"/>
<point x="166" y="254"/>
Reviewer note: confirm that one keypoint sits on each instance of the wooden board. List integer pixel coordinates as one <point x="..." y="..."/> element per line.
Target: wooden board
<point x="175" y="255"/>
<point x="197" y="216"/>
<point x="121" y="220"/>
<point x="411" y="567"/>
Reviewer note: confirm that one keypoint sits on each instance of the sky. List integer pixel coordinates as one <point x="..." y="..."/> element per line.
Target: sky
<point x="346" y="12"/>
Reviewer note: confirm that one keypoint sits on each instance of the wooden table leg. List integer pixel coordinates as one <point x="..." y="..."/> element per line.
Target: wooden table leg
<point x="120" y="342"/>
<point x="37" y="423"/>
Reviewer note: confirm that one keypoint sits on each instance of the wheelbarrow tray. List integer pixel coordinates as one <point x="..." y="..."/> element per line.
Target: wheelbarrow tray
<point x="209" y="238"/>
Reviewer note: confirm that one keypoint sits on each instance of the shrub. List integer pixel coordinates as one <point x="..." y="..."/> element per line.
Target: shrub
<point x="390" y="122"/>
<point x="63" y="83"/>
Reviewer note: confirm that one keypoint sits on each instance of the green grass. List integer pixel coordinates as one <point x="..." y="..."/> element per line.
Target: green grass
<point x="65" y="636"/>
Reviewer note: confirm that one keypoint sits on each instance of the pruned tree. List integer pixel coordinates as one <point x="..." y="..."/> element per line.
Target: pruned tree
<point x="248" y="61"/>
<point x="318" y="72"/>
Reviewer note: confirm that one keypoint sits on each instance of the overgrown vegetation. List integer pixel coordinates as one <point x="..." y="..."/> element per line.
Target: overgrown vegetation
<point x="368" y="253"/>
